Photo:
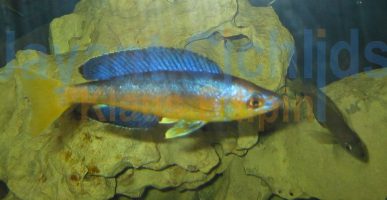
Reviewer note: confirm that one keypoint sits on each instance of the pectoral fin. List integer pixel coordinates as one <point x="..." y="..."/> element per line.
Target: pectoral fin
<point x="183" y="127"/>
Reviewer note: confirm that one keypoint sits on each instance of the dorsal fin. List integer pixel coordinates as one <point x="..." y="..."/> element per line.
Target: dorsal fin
<point x="146" y="60"/>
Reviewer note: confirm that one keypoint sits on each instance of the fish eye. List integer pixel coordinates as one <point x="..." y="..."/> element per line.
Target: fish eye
<point x="348" y="147"/>
<point x="255" y="102"/>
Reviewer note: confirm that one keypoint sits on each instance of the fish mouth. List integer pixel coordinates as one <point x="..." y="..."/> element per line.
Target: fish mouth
<point x="359" y="151"/>
<point x="272" y="102"/>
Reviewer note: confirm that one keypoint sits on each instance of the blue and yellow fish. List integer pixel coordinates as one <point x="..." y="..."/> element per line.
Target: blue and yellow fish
<point x="156" y="85"/>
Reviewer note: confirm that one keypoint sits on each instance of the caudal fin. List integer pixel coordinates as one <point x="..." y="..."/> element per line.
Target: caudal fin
<point x="46" y="98"/>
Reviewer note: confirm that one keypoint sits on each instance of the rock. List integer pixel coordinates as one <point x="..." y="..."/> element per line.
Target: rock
<point x="69" y="27"/>
<point x="259" y="52"/>
<point x="134" y="182"/>
<point x="171" y="194"/>
<point x="296" y="165"/>
<point x="249" y="46"/>
<point x="78" y="158"/>
<point x="248" y="136"/>
<point x="186" y="153"/>
<point x="234" y="183"/>
<point x="11" y="196"/>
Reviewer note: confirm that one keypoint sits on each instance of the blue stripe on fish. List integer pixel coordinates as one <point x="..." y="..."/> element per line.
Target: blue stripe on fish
<point x="120" y="117"/>
<point x="146" y="60"/>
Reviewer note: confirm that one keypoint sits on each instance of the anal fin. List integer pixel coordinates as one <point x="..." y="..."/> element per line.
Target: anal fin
<point x="183" y="128"/>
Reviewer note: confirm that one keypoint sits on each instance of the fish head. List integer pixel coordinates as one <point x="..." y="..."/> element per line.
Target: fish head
<point x="254" y="101"/>
<point x="357" y="149"/>
<point x="262" y="101"/>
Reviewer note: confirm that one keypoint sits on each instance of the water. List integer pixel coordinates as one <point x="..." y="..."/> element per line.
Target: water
<point x="338" y="19"/>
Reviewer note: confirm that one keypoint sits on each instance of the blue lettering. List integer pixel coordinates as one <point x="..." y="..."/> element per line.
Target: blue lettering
<point x="308" y="53"/>
<point x="10" y="45"/>
<point x="353" y="50"/>
<point x="321" y="79"/>
<point x="372" y="57"/>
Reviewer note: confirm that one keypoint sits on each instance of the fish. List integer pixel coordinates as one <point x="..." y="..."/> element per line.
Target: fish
<point x="335" y="123"/>
<point x="156" y="84"/>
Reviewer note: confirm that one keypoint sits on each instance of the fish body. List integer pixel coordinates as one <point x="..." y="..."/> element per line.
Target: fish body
<point x="179" y="95"/>
<point x="335" y="122"/>
<point x="182" y="86"/>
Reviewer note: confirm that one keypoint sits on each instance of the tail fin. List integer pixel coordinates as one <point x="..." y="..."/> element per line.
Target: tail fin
<point x="47" y="102"/>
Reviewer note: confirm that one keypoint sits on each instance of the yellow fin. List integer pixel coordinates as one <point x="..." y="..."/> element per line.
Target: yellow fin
<point x="165" y="120"/>
<point x="46" y="97"/>
<point x="183" y="127"/>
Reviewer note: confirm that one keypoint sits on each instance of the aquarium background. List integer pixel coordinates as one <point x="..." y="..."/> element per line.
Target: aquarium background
<point x="338" y="19"/>
<point x="24" y="24"/>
